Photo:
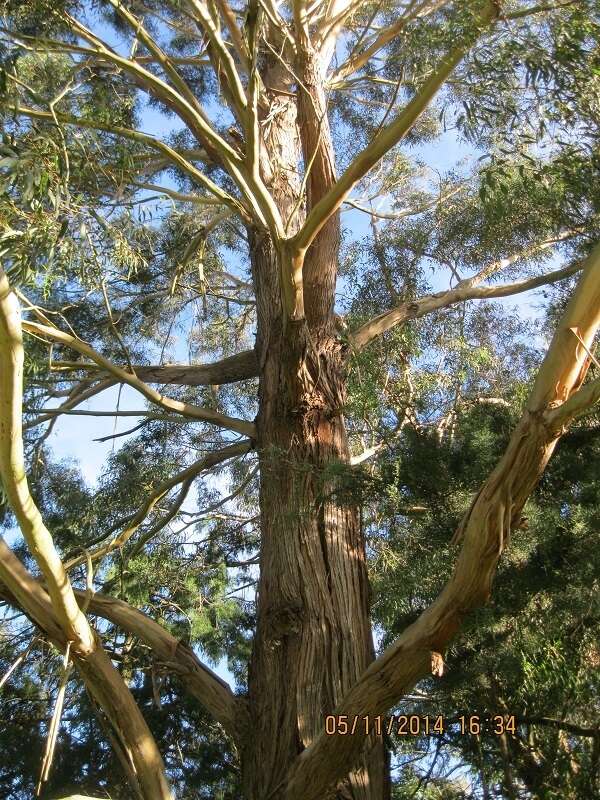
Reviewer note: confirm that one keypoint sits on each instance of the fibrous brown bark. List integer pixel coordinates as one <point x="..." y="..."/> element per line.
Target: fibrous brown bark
<point x="313" y="638"/>
<point x="238" y="367"/>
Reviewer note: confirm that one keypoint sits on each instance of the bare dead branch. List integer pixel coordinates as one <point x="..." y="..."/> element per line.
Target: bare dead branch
<point x="76" y="398"/>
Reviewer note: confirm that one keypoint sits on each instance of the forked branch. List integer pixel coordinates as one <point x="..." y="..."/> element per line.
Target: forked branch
<point x="168" y="403"/>
<point x="390" y="136"/>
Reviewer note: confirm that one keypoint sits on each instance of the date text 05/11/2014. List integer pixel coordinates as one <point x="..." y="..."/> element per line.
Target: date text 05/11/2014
<point x="416" y="725"/>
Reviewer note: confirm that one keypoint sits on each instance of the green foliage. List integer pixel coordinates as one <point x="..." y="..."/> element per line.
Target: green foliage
<point x="532" y="652"/>
<point x="85" y="237"/>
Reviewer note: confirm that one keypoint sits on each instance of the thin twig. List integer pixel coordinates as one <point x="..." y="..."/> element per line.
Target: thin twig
<point x="55" y="721"/>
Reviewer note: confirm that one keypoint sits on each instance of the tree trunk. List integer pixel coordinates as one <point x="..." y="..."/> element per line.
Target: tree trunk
<point x="313" y="637"/>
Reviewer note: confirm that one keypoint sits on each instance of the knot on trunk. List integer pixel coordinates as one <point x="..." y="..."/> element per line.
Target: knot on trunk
<point x="284" y="619"/>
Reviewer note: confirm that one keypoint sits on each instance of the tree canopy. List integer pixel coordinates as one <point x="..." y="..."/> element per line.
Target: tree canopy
<point x="329" y="275"/>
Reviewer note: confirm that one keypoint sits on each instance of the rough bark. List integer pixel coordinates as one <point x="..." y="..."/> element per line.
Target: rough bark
<point x="313" y="638"/>
<point x="239" y="367"/>
<point x="313" y="651"/>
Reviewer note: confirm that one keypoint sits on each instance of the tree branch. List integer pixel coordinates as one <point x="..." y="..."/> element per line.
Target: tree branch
<point x="497" y="266"/>
<point x="174" y="194"/>
<point x="331" y="25"/>
<point x="72" y="402"/>
<point x="527" y="12"/>
<point x="579" y="403"/>
<point x="433" y="302"/>
<point x="220" y="151"/>
<point x="360" y="57"/>
<point x="62" y="612"/>
<point x="186" y="107"/>
<point x="161" y="57"/>
<point x="407" y="212"/>
<point x="222" y="54"/>
<point x="239" y="367"/>
<point x="187" y="410"/>
<point x="172" y="155"/>
<point x="205" y="685"/>
<point x="185" y="477"/>
<point x="386" y="139"/>
<point x="29" y="595"/>
<point x="235" y="33"/>
<point x="14" y="477"/>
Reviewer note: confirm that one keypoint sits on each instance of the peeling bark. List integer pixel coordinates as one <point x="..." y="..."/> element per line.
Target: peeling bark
<point x="313" y="636"/>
